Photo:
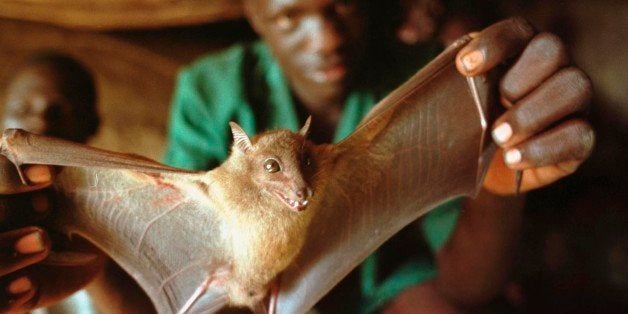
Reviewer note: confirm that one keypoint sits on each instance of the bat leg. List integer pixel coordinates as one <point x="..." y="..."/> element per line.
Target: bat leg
<point x="260" y="307"/>
<point x="219" y="277"/>
<point x="274" y="294"/>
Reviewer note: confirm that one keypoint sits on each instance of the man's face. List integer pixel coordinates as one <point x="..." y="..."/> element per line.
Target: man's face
<point x="317" y="42"/>
<point x="34" y="104"/>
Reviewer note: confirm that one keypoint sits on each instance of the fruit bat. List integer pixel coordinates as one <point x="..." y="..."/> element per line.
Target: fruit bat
<point x="281" y="213"/>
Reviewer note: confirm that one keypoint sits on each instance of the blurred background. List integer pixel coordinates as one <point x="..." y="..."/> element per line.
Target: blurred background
<point x="574" y="252"/>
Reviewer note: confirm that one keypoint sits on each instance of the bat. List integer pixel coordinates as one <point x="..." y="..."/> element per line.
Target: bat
<point x="281" y="214"/>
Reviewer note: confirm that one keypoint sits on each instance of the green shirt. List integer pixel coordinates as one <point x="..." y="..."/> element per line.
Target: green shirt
<point x="245" y="84"/>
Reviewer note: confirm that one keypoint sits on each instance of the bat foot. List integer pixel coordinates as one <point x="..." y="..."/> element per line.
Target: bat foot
<point x="274" y="295"/>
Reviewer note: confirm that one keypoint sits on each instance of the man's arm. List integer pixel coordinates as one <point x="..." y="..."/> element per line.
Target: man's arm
<point x="475" y="263"/>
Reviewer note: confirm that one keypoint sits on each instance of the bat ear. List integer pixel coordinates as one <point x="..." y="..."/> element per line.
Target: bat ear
<point x="306" y="127"/>
<point x="240" y="139"/>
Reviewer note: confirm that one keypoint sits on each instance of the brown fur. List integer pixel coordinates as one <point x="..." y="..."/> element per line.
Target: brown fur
<point x="265" y="234"/>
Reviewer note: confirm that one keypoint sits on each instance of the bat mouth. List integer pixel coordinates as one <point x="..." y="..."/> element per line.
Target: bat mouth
<point x="295" y="205"/>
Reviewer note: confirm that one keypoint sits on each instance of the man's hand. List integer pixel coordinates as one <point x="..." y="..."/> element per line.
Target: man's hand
<point x="539" y="133"/>
<point x="31" y="274"/>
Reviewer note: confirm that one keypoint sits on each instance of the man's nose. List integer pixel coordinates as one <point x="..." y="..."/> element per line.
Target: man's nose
<point x="324" y="35"/>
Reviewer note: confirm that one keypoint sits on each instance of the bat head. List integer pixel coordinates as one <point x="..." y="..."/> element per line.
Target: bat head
<point x="276" y="162"/>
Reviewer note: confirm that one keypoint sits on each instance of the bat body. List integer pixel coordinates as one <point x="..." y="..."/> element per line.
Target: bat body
<point x="279" y="204"/>
<point x="260" y="194"/>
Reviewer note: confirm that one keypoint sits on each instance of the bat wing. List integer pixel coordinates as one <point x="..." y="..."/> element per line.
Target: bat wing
<point x="152" y="219"/>
<point x="420" y="146"/>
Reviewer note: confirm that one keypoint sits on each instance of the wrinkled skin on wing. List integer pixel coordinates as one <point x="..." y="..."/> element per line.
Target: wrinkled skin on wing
<point x="157" y="222"/>
<point x="157" y="227"/>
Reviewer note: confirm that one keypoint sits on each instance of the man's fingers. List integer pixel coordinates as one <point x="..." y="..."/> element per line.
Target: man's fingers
<point x="21" y="248"/>
<point x="564" y="93"/>
<point x="38" y="176"/>
<point x="494" y="45"/>
<point x="49" y="283"/>
<point x="24" y="209"/>
<point x="543" y="56"/>
<point x="570" y="141"/>
<point x="18" y="294"/>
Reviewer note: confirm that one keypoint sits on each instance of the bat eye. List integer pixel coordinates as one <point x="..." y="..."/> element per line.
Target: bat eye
<point x="271" y="165"/>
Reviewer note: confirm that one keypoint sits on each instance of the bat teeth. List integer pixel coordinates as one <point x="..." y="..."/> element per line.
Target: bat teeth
<point x="297" y="205"/>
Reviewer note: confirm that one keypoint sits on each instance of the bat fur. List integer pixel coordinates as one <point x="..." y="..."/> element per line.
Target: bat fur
<point x="265" y="233"/>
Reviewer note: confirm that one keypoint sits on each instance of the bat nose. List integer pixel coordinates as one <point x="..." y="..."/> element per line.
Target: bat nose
<point x="303" y="193"/>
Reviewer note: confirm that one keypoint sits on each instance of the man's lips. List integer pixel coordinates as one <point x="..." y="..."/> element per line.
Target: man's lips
<point x="325" y="69"/>
<point x="328" y="74"/>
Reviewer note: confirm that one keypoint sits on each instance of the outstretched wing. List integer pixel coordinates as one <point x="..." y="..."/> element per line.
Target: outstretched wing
<point x="155" y="221"/>
<point x="420" y="146"/>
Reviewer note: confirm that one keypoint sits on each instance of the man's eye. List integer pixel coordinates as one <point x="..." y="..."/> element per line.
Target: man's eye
<point x="285" y="21"/>
<point x="271" y="165"/>
<point x="345" y="7"/>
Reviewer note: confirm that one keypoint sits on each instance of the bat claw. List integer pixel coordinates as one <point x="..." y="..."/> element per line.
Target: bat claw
<point x="6" y="148"/>
<point x="20" y="173"/>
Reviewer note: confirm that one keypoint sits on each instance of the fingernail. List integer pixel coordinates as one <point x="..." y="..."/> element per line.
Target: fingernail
<point x="502" y="133"/>
<point x="506" y="102"/>
<point x="20" y="285"/>
<point x="513" y="156"/>
<point x="472" y="60"/>
<point x="30" y="244"/>
<point x="40" y="202"/>
<point x="38" y="174"/>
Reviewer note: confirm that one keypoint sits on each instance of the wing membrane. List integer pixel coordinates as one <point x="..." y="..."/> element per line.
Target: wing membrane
<point x="155" y="221"/>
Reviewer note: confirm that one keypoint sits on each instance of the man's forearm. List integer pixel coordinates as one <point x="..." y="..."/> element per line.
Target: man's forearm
<point x="475" y="263"/>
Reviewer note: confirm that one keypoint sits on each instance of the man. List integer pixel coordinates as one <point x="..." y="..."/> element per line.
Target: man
<point x="312" y="61"/>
